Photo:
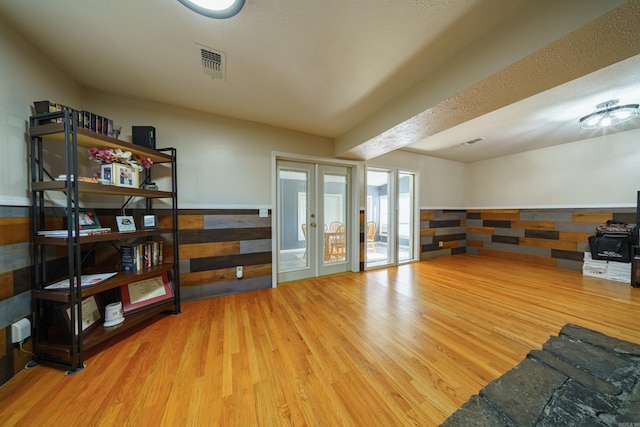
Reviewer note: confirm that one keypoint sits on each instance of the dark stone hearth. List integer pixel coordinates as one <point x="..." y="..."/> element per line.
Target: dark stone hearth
<point x="523" y="392"/>
<point x="579" y="378"/>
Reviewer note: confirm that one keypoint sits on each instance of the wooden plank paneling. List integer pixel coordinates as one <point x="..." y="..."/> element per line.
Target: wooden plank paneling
<point x="427" y="232"/>
<point x="534" y="225"/>
<point x="224" y="235"/>
<point x="426" y="215"/>
<point x="204" y="250"/>
<point x="205" y="277"/>
<point x="481" y="230"/>
<point x="595" y="217"/>
<point x="475" y="243"/>
<point x="190" y="222"/>
<point x="546" y="243"/>
<point x="14" y="230"/>
<point x="501" y="215"/>
<point x="6" y="285"/>
<point x="450" y="244"/>
<point x="575" y="236"/>
<point x="228" y="261"/>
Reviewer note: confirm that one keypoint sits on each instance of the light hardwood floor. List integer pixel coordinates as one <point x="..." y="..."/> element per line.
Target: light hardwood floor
<point x="393" y="347"/>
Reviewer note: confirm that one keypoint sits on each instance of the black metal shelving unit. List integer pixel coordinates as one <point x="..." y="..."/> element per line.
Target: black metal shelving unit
<point x="54" y="344"/>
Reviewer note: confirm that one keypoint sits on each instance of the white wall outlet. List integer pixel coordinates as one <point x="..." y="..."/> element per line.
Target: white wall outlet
<point x="239" y="272"/>
<point x="264" y="213"/>
<point x="21" y="330"/>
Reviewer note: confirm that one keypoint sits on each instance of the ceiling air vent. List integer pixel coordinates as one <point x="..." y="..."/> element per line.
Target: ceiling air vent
<point x="212" y="62"/>
<point x="473" y="141"/>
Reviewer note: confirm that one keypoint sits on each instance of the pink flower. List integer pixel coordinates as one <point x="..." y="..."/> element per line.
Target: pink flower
<point x="92" y="153"/>
<point x="111" y="155"/>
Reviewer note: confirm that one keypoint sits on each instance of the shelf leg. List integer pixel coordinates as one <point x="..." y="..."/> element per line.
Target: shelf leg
<point x="75" y="371"/>
<point x="31" y="364"/>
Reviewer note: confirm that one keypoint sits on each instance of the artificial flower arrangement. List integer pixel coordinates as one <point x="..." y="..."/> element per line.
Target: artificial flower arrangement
<point x="116" y="155"/>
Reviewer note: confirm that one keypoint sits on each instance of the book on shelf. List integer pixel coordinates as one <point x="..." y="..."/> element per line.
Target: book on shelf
<point x="141" y="255"/>
<point x="128" y="257"/>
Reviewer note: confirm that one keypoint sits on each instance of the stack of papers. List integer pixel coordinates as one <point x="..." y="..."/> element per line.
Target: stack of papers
<point x="65" y="233"/>
<point x="85" y="281"/>
<point x="611" y="270"/>
<point x="593" y="267"/>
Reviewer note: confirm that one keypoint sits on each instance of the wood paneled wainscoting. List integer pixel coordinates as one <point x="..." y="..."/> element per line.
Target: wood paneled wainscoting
<point x="213" y="242"/>
<point x="15" y="284"/>
<point x="391" y="347"/>
<point x="552" y="237"/>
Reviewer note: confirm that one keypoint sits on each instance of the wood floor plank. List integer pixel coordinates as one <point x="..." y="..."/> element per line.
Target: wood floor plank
<point x="398" y="346"/>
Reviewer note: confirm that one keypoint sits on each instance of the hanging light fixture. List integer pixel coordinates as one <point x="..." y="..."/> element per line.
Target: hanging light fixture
<point x="609" y="113"/>
<point x="220" y="9"/>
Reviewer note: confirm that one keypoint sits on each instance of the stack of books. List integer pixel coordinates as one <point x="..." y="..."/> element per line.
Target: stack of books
<point x="85" y="119"/>
<point x="142" y="255"/>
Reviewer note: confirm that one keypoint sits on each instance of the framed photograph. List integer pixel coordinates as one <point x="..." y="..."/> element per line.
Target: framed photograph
<point x="91" y="315"/>
<point x="148" y="221"/>
<point x="87" y="219"/>
<point x="125" y="223"/>
<point x="143" y="293"/>
<point x="106" y="173"/>
<point x="120" y="175"/>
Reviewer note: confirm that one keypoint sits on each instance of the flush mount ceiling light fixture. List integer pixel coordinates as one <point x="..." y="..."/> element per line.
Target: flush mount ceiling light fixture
<point x="219" y="9"/>
<point x="609" y="113"/>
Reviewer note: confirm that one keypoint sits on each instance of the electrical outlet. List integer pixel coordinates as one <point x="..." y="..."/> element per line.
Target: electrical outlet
<point x="440" y="244"/>
<point x="264" y="213"/>
<point x="239" y="272"/>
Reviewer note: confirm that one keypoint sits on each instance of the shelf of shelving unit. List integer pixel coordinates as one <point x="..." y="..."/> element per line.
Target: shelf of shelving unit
<point x="122" y="278"/>
<point x="91" y="188"/>
<point x="105" y="237"/>
<point x="89" y="139"/>
<point x="55" y="347"/>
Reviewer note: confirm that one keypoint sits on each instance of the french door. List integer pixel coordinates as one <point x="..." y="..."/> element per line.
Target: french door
<point x="313" y="219"/>
<point x="391" y="229"/>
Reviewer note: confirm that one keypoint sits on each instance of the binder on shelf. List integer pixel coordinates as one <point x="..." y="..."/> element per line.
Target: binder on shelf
<point x="127" y="253"/>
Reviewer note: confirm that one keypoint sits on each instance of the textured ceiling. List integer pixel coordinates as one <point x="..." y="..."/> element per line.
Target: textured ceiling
<point x="320" y="67"/>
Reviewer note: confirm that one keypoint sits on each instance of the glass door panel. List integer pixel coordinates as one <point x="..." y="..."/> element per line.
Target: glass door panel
<point x="334" y="205"/>
<point x="296" y="214"/>
<point x="406" y="217"/>
<point x="379" y="226"/>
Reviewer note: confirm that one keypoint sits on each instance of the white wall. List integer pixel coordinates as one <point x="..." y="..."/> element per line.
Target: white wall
<point x="222" y="162"/>
<point x="442" y="183"/>
<point x="25" y="76"/>
<point x="598" y="172"/>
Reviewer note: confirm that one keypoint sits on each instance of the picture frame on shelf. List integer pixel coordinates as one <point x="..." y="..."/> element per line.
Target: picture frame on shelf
<point x="87" y="219"/>
<point x="106" y="173"/>
<point x="120" y="175"/>
<point x="143" y="293"/>
<point x="91" y="313"/>
<point x="125" y="224"/>
<point x="148" y="221"/>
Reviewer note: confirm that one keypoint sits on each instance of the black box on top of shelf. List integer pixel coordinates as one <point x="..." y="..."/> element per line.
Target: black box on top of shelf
<point x="44" y="107"/>
<point x="144" y="136"/>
